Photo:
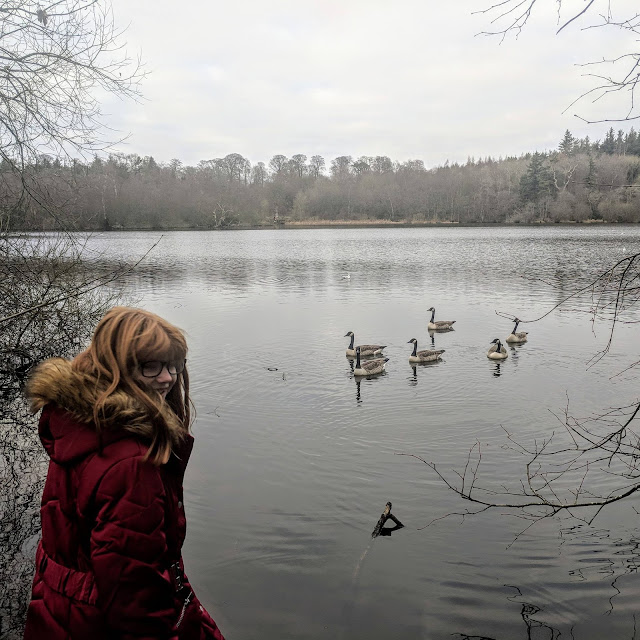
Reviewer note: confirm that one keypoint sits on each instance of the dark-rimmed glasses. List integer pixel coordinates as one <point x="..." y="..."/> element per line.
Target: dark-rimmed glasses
<point x="154" y="368"/>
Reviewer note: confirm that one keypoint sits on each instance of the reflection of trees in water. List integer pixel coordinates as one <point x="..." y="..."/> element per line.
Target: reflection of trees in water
<point x="535" y="629"/>
<point x="240" y="272"/>
<point x="608" y="558"/>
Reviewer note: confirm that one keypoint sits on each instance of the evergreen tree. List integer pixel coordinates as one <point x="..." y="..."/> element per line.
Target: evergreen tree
<point x="585" y="145"/>
<point x="567" y="144"/>
<point x="632" y="174"/>
<point x="620" y="145"/>
<point x="609" y="144"/>
<point x="632" y="143"/>
<point x="537" y="182"/>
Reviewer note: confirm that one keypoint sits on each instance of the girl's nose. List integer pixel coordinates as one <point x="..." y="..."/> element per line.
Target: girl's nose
<point x="164" y="375"/>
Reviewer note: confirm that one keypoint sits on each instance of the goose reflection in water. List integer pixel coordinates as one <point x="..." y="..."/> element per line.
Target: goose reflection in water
<point x="496" y="369"/>
<point x="513" y="353"/>
<point x="413" y="378"/>
<point x="358" y="380"/>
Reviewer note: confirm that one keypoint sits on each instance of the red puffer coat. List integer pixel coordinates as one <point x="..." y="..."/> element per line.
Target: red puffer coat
<point x="109" y="563"/>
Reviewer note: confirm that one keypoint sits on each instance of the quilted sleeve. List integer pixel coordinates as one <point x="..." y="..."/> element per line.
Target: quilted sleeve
<point x="128" y="546"/>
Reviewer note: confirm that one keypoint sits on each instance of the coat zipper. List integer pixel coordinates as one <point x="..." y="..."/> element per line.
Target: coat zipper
<point x="187" y="600"/>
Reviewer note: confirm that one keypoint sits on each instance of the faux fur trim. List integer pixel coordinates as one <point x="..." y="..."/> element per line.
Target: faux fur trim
<point x="56" y="381"/>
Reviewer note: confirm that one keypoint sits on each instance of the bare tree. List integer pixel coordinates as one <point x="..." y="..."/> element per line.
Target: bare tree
<point x="234" y="167"/>
<point x="316" y="166"/>
<point x="277" y="164"/>
<point x="259" y="174"/>
<point x="618" y="74"/>
<point x="55" y="59"/>
<point x="341" y="166"/>
<point x="299" y="164"/>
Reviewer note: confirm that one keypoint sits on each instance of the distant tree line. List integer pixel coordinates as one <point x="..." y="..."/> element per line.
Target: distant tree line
<point x="580" y="180"/>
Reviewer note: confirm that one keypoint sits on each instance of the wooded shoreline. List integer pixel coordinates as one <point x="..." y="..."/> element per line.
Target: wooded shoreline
<point x="374" y="224"/>
<point x="578" y="183"/>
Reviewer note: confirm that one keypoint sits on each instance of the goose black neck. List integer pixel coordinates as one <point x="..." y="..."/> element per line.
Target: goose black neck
<point x="415" y="348"/>
<point x="515" y="328"/>
<point x="358" y="359"/>
<point x="433" y="315"/>
<point x="351" y="343"/>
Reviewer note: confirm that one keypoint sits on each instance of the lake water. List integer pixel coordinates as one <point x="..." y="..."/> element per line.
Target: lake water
<point x="295" y="458"/>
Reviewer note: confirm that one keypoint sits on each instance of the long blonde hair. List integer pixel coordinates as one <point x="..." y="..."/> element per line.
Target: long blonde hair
<point x="124" y="338"/>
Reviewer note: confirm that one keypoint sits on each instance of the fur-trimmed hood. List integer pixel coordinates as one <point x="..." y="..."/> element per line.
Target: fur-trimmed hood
<point x="69" y="396"/>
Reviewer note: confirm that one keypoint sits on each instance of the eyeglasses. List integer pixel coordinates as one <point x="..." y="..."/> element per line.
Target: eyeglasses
<point x="154" y="368"/>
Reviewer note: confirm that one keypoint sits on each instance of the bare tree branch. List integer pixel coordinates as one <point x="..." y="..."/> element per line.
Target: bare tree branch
<point x="512" y="16"/>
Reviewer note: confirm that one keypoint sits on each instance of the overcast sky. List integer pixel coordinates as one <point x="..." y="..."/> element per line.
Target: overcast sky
<point x="409" y="79"/>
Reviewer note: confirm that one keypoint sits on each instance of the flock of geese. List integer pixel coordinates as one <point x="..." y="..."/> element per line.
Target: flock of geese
<point x="497" y="351"/>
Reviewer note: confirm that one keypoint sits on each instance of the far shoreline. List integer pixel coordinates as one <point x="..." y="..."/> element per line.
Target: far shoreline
<point x="370" y="224"/>
<point x="334" y="224"/>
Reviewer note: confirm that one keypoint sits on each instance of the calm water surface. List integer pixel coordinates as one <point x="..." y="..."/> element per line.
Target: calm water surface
<point x="295" y="459"/>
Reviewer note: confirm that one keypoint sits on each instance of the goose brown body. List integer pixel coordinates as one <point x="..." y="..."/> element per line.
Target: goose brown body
<point x="365" y="349"/>
<point x="426" y="355"/>
<point x="368" y="367"/>
<point x="439" y="325"/>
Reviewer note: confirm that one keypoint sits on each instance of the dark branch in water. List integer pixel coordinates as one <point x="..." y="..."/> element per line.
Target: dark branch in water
<point x="379" y="529"/>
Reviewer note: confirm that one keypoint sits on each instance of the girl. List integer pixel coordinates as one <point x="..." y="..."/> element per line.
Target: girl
<point x="115" y="424"/>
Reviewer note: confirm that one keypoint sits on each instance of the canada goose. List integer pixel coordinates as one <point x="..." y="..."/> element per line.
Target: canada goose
<point x="426" y="355"/>
<point x="498" y="351"/>
<point x="365" y="349"/>
<point x="515" y="336"/>
<point x="368" y="367"/>
<point x="440" y="325"/>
